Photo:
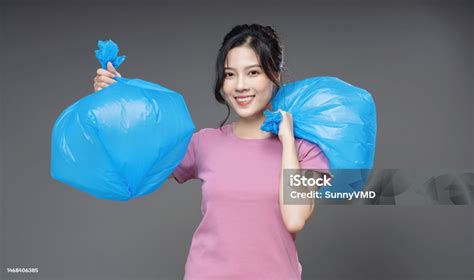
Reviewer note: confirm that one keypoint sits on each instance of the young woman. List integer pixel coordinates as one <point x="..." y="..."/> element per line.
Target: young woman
<point x="246" y="232"/>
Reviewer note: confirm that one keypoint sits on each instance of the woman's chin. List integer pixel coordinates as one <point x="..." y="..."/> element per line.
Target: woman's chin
<point x="249" y="114"/>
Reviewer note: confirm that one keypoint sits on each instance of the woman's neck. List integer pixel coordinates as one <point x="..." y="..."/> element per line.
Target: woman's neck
<point x="249" y="128"/>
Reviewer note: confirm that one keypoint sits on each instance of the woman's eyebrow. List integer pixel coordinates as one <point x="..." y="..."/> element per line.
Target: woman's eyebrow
<point x="255" y="65"/>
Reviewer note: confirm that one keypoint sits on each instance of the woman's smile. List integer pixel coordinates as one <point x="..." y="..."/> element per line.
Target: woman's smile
<point x="244" y="100"/>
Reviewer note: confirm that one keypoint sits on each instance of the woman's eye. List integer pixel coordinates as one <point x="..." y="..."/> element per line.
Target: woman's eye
<point x="227" y="74"/>
<point x="253" y="73"/>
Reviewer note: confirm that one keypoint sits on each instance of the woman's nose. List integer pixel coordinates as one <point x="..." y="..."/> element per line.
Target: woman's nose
<point x="241" y="84"/>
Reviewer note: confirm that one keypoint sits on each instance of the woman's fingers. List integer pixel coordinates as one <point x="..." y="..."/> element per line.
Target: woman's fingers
<point x="104" y="79"/>
<point x="285" y="113"/>
<point x="103" y="72"/>
<point x="100" y="85"/>
<point x="112" y="69"/>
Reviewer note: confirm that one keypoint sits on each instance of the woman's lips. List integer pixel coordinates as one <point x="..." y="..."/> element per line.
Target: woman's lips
<point x="244" y="100"/>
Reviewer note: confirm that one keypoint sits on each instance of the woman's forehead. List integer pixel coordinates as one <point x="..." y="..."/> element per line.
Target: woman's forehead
<point x="241" y="58"/>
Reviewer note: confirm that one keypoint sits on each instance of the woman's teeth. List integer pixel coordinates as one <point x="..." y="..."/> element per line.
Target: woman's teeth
<point x="245" y="99"/>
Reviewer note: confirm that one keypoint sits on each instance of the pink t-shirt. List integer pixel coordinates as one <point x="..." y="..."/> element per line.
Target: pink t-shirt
<point x="242" y="234"/>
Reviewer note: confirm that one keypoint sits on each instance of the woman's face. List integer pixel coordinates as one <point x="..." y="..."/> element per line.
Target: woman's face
<point x="247" y="89"/>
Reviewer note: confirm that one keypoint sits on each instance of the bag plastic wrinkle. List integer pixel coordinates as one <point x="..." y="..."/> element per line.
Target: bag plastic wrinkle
<point x="123" y="141"/>
<point x="337" y="116"/>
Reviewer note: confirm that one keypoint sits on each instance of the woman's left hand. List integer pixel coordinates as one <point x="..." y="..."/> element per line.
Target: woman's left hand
<point x="285" y="132"/>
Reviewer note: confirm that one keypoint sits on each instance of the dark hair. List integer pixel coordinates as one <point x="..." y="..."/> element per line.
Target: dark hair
<point x="266" y="44"/>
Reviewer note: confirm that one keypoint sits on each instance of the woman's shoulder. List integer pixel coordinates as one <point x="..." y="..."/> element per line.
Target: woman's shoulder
<point x="211" y="131"/>
<point x="304" y="147"/>
<point x="207" y="138"/>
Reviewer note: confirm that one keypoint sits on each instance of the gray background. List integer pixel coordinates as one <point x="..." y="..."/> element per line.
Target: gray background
<point x="415" y="57"/>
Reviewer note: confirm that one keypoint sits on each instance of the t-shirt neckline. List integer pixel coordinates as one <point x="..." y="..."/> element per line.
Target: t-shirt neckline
<point x="231" y="133"/>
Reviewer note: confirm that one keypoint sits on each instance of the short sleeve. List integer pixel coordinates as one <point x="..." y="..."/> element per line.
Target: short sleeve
<point x="310" y="156"/>
<point x="187" y="168"/>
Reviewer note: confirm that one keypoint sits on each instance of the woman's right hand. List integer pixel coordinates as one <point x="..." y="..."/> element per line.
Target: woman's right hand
<point x="104" y="78"/>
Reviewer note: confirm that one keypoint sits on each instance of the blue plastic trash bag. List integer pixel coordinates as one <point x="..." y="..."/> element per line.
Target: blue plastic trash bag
<point x="123" y="141"/>
<point x="337" y="116"/>
<point x="327" y="111"/>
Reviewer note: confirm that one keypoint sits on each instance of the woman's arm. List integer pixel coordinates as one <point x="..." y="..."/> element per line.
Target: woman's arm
<point x="294" y="216"/>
